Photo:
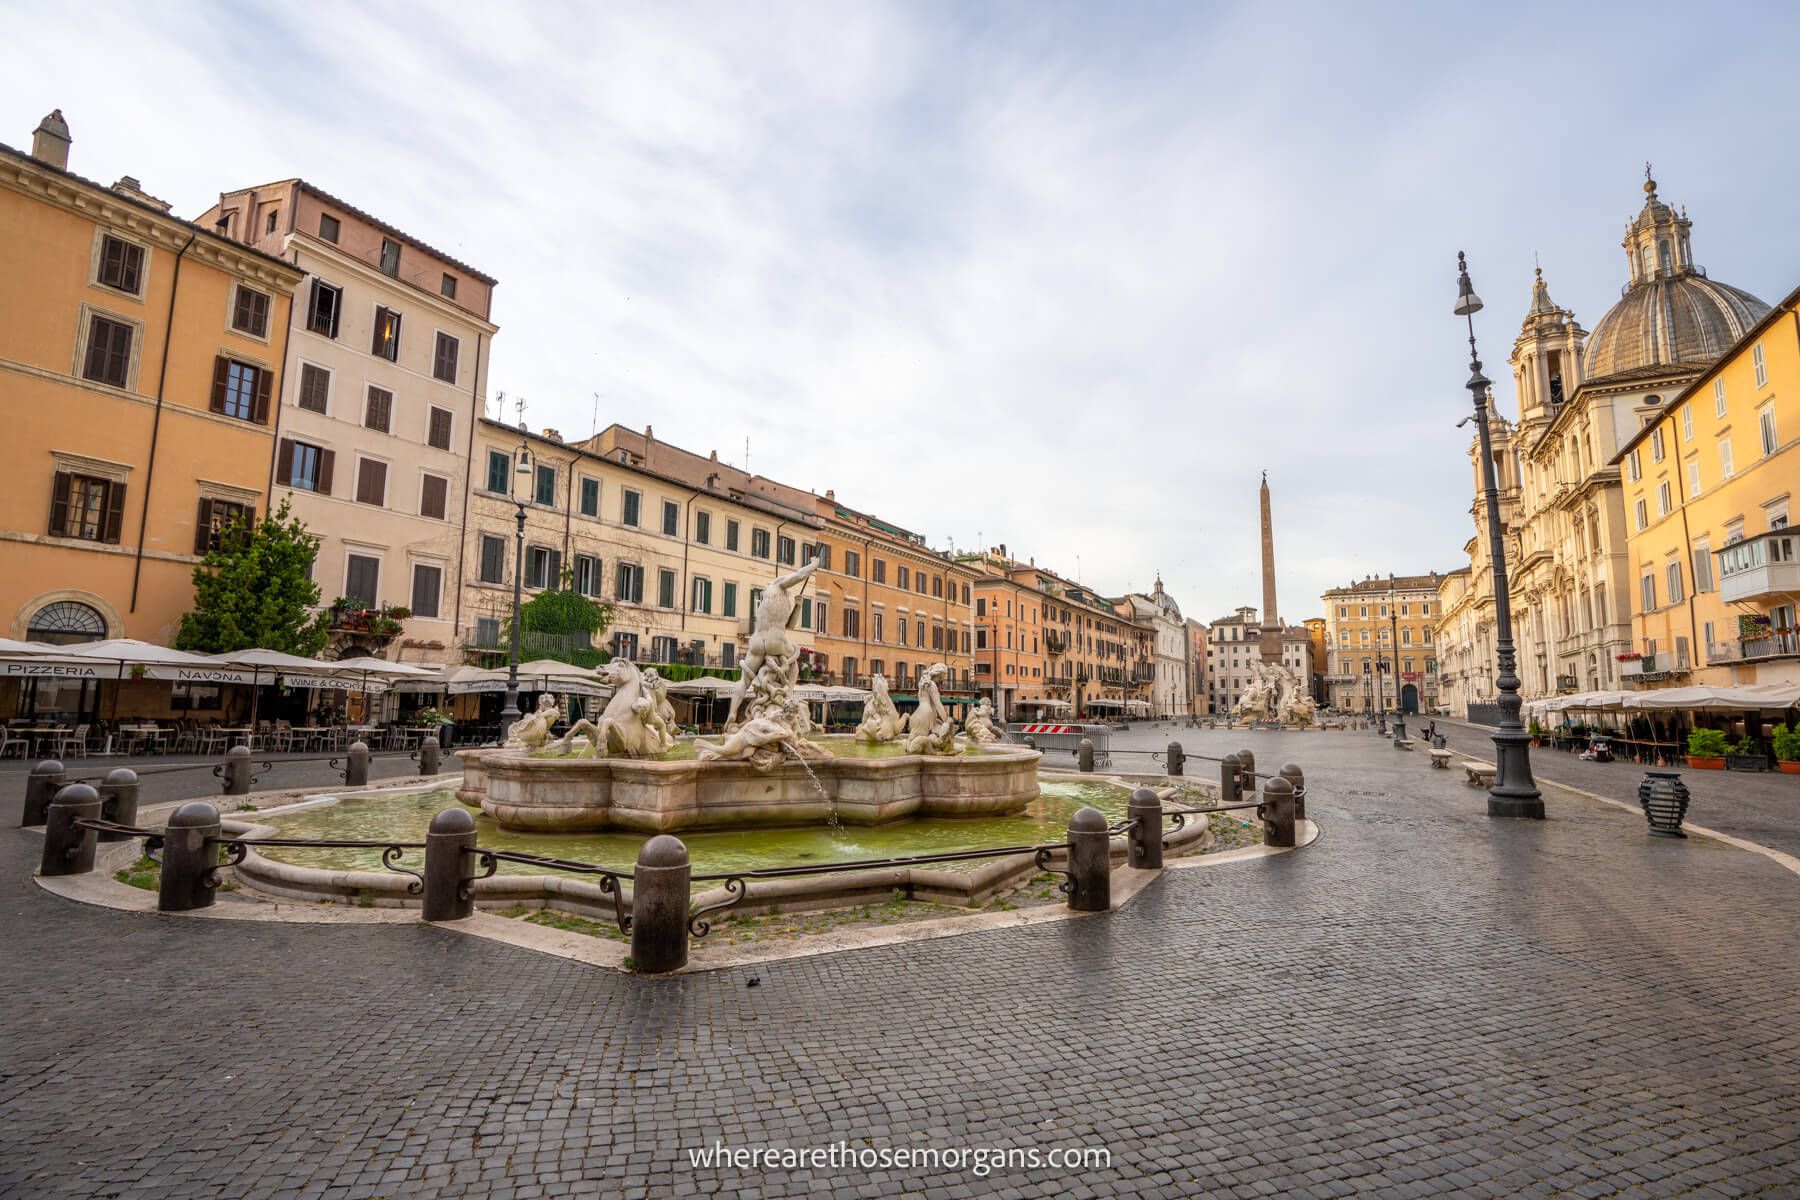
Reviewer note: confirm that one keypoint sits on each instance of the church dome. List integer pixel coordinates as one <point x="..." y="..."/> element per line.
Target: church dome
<point x="1671" y="312"/>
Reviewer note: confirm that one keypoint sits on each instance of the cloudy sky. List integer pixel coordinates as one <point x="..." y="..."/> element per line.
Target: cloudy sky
<point x="1067" y="277"/>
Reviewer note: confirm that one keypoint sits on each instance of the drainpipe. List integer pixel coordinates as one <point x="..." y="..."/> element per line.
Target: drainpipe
<point x="687" y="542"/>
<point x="162" y="376"/>
<point x="468" y="492"/>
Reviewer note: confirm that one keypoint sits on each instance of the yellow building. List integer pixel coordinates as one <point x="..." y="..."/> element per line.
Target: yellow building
<point x="1376" y="630"/>
<point x="1708" y="486"/>
<point x="140" y="362"/>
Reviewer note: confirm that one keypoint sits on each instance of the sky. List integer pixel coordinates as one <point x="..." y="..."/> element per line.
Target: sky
<point x="1066" y="277"/>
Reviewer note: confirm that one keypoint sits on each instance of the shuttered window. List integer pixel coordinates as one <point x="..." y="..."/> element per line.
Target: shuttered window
<point x="390" y="257"/>
<point x="328" y="227"/>
<point x="86" y="507"/>
<point x="371" y="481"/>
<point x="362" y="579"/>
<point x="108" y="352"/>
<point x="438" y="432"/>
<point x="315" y="387"/>
<point x="427" y="587"/>
<point x="324" y="308"/>
<point x="628" y="583"/>
<point x="250" y="314"/>
<point x="443" y="360"/>
<point x="241" y="390"/>
<point x="121" y="265"/>
<point x="304" y="466"/>
<point x="499" y="472"/>
<point x="434" y="492"/>
<point x="386" y="340"/>
<point x="379" y="414"/>
<point x="217" y="519"/>
<point x="493" y="559"/>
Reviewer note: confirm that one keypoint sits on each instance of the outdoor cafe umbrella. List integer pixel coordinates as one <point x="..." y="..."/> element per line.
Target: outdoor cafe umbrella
<point x="151" y="661"/>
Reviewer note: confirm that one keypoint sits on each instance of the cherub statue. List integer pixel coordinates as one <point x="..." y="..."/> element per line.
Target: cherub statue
<point x="660" y="716"/>
<point x="980" y="723"/>
<point x="881" y="720"/>
<point x="532" y="731"/>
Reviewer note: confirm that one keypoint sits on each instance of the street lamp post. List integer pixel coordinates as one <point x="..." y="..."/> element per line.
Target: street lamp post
<point x="1514" y="793"/>
<point x="510" y="714"/>
<point x="1399" y="708"/>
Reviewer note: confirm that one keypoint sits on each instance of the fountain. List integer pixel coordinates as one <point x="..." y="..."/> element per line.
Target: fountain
<point x="627" y="770"/>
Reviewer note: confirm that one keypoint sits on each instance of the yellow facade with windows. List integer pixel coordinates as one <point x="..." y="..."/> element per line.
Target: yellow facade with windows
<point x="1709" y="483"/>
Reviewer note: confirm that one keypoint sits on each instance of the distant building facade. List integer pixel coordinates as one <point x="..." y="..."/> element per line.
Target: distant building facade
<point x="1381" y="636"/>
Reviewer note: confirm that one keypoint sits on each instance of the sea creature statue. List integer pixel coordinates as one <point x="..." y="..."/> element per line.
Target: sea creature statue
<point x="1257" y="702"/>
<point x="631" y="725"/>
<point x="661" y="716"/>
<point x="760" y="741"/>
<point x="881" y="720"/>
<point x="1300" y="710"/>
<point x="766" y="724"/>
<point x="980" y="724"/>
<point x="930" y="729"/>
<point x="532" y="731"/>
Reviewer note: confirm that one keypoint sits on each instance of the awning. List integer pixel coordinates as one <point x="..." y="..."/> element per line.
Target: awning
<point x="540" y="675"/>
<point x="146" y="660"/>
<point x="1770" y="696"/>
<point x="704" y="685"/>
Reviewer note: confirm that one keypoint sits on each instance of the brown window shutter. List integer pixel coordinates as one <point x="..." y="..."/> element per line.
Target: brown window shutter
<point x="326" y="459"/>
<point x="115" y="511"/>
<point x="203" y="526"/>
<point x="284" y="461"/>
<point x="265" y="380"/>
<point x="221" y="372"/>
<point x="59" y="502"/>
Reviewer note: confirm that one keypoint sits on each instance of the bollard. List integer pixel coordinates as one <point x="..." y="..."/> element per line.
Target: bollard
<point x="430" y="754"/>
<point x="119" y="801"/>
<point x="1664" y="799"/>
<point x="45" y="780"/>
<point x="1297" y="778"/>
<point x="1177" y="758"/>
<point x="1032" y="742"/>
<point x="69" y="848"/>
<point x="187" y="857"/>
<point x="1399" y="725"/>
<point x="448" y="840"/>
<point x="356" y="765"/>
<point x="1090" y="862"/>
<point x="237" y="771"/>
<point x="659" y="906"/>
<point x="1144" y="845"/>
<point x="1084" y="757"/>
<point x="1230" y="785"/>
<point x="1247" y="773"/>
<point x="1277" y="812"/>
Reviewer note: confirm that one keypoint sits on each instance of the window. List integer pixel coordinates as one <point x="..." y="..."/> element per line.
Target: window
<point x="1674" y="574"/>
<point x="1648" y="586"/>
<point x="731" y="535"/>
<point x="629" y="501"/>
<point x="1687" y="422"/>
<point x="315" y="388"/>
<point x="1726" y="470"/>
<point x="390" y="257"/>
<point x="1656" y="444"/>
<point x="590" y="497"/>
<point x="919" y="632"/>
<point x="1641" y="513"/>
<point x="628" y="583"/>
<point x="759" y="543"/>
<point x="437" y="428"/>
<point x="386" y="341"/>
<point x="304" y="466"/>
<point x="671" y="518"/>
<point x="703" y="528"/>
<point x="981" y="606"/>
<point x="108" y="352"/>
<point x="493" y="559"/>
<point x="806" y="613"/>
<point x="428" y="586"/>
<point x="250" y="314"/>
<point x="121" y="265"/>
<point x="824" y="557"/>
<point x="545" y="490"/>
<point x="379" y="413"/>
<point x="86" y="507"/>
<point x="665" y="588"/>
<point x="587" y="574"/>
<point x="1762" y="368"/>
<point x="1633" y="471"/>
<point x="499" y="472"/>
<point x="1719" y="397"/>
<point x="1693" y="477"/>
<point x="328" y="227"/>
<point x="878" y="570"/>
<point x="852" y="623"/>
<point x="903" y="579"/>
<point x="323" y="308"/>
<point x="542" y="568"/>
<point x="784" y="551"/>
<point x="702" y="597"/>
<point x="808" y="552"/>
<point x="1765" y="424"/>
<point x="919" y="582"/>
<point x="728" y="606"/>
<point x="216" y="519"/>
<point x="434" y="496"/>
<point x="362" y="576"/>
<point x="371" y="481"/>
<point x="448" y="286"/>
<point x="900" y="625"/>
<point x="853" y="564"/>
<point x="240" y="390"/>
<point x="1662" y="499"/>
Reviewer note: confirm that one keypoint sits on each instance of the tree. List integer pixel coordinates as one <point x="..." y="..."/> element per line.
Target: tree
<point x="254" y="591"/>
<point x="566" y="623"/>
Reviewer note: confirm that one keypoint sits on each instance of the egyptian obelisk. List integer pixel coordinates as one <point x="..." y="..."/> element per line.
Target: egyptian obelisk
<point x="1270" y="635"/>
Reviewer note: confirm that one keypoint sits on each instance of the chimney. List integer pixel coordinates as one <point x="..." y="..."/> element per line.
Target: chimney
<point x="831" y="494"/>
<point x="50" y="141"/>
<point x="649" y="433"/>
<point x="553" y="435"/>
<point x="129" y="186"/>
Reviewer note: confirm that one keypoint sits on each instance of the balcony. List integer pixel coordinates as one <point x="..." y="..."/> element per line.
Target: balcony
<point x="1755" y="649"/>
<point x="1765" y="565"/>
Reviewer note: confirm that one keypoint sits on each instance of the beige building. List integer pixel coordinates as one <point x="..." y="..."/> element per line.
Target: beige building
<point x="385" y="372"/>
<point x="1233" y="643"/>
<point x="1378" y="630"/>
<point x="1168" y="693"/>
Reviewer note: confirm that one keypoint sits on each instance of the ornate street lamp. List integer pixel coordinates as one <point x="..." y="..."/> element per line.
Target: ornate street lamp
<point x="1514" y="794"/>
<point x="521" y="489"/>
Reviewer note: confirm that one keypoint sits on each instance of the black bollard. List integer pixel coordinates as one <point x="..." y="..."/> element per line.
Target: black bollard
<point x="430" y="754"/>
<point x="1277" y="812"/>
<point x="659" y="906"/>
<point x="1084" y="757"/>
<point x="1297" y="779"/>
<point x="1230" y="785"/>
<point x="187" y="857"/>
<point x="1090" y="862"/>
<point x="68" y="847"/>
<point x="1144" y="846"/>
<point x="1664" y="799"/>
<point x="45" y="780"/>
<point x="1247" y="773"/>
<point x="356" y="765"/>
<point x="1177" y="758"/>
<point x="448" y="840"/>
<point x="119" y="801"/>
<point x="237" y="771"/>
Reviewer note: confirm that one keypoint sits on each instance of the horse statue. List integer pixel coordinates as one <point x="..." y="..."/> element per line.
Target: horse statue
<point x="930" y="729"/>
<point x="881" y="720"/>
<point x="980" y="723"/>
<point x="631" y="726"/>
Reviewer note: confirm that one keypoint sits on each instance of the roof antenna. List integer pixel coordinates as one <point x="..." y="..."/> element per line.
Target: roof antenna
<point x="596" y="432"/>
<point x="746" y="454"/>
<point x="520" y="405"/>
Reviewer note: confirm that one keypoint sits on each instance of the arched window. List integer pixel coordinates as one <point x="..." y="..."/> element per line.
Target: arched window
<point x="66" y="621"/>
<point x="1662" y="251"/>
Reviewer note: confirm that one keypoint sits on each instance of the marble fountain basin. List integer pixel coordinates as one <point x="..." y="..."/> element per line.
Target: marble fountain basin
<point x="858" y="784"/>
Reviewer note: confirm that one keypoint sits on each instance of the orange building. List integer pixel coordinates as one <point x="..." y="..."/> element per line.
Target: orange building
<point x="140" y="362"/>
<point x="1011" y="661"/>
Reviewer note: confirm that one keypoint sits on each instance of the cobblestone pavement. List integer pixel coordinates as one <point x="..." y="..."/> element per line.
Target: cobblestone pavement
<point x="1423" y="1002"/>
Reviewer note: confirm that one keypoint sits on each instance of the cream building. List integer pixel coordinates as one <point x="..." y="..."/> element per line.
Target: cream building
<point x="1170" y="694"/>
<point x="1581" y="398"/>
<point x="1233" y="643"/>
<point x="386" y="368"/>
<point x="1376" y="630"/>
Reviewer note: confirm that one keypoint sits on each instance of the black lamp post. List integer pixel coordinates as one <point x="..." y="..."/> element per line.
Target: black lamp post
<point x="521" y="485"/>
<point x="1514" y="794"/>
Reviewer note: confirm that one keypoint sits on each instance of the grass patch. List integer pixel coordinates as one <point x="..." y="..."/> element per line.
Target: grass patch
<point x="145" y="873"/>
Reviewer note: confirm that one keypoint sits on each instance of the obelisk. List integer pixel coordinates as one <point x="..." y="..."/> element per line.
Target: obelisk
<point x="1270" y="635"/>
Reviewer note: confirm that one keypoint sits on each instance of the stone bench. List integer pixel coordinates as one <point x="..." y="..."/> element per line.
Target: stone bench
<point x="1403" y="743"/>
<point x="1480" y="774"/>
<point x="1441" y="759"/>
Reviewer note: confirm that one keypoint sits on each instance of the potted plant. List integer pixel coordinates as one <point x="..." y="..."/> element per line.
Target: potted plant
<point x="1787" y="749"/>
<point x="1746" y="754"/>
<point x="1706" y="750"/>
<point x="1537" y="733"/>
